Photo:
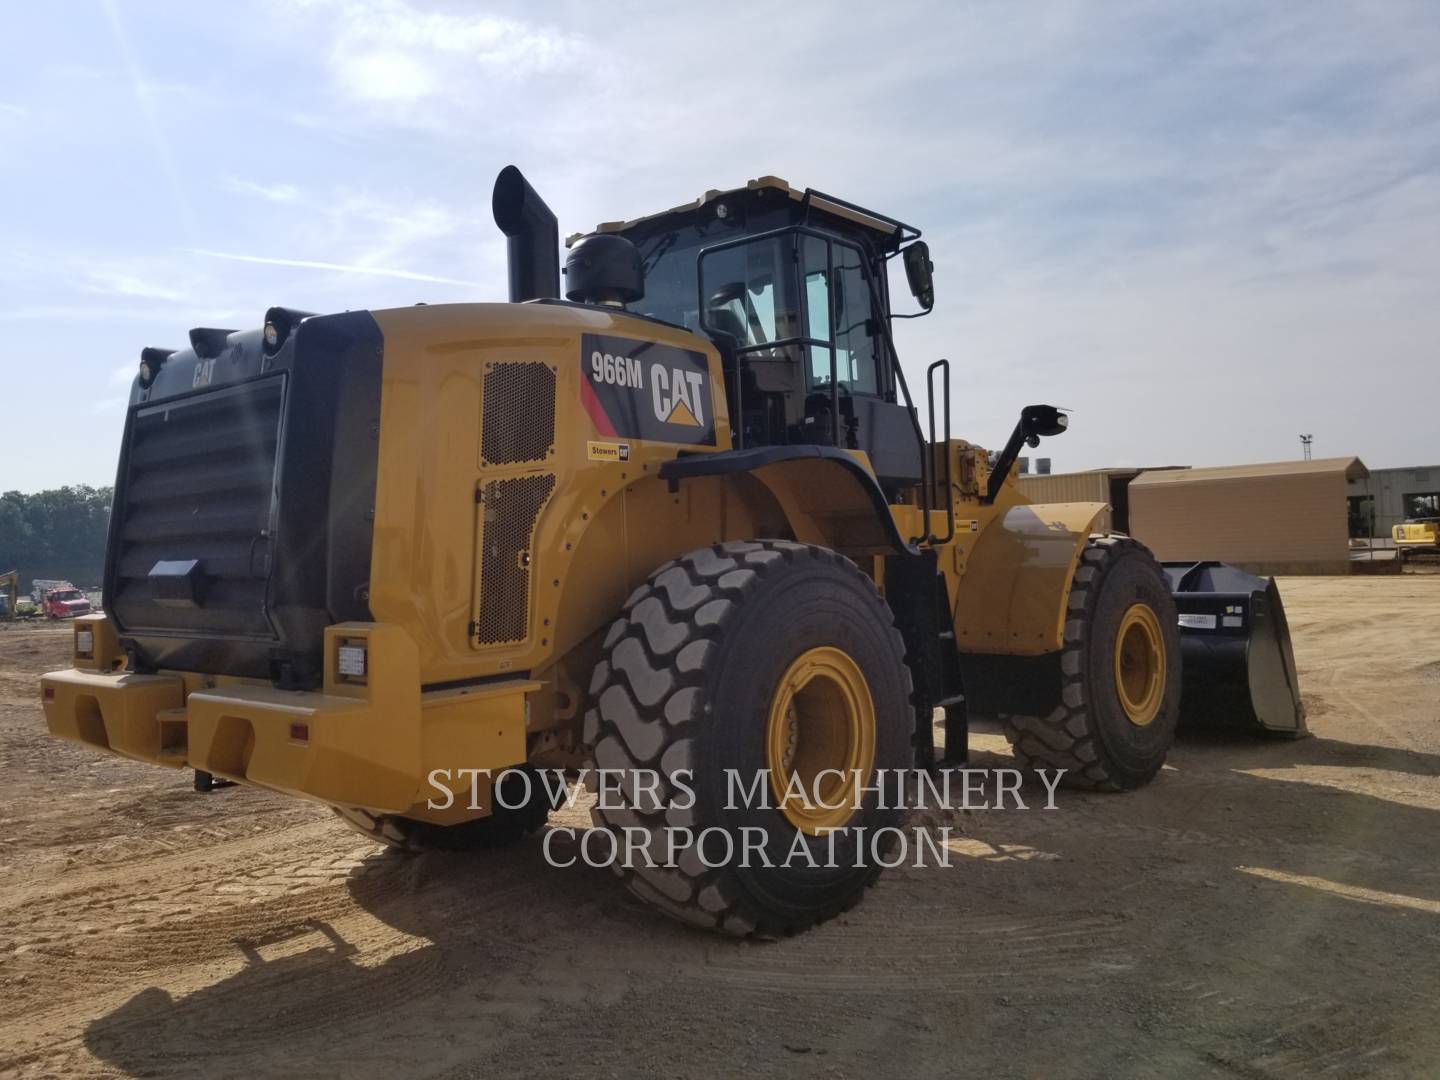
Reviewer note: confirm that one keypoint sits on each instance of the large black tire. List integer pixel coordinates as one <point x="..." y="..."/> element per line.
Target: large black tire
<point x="686" y="683"/>
<point x="503" y="826"/>
<point x="1089" y="734"/>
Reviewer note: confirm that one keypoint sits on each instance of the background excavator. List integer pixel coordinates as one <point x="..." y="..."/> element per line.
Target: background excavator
<point x="10" y="596"/>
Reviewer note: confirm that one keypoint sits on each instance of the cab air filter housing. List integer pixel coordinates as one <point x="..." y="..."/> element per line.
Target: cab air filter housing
<point x="604" y="269"/>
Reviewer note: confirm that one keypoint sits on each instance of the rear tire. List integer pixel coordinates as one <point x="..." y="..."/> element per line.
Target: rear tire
<point x="1099" y="733"/>
<point x="705" y="671"/>
<point x="503" y="826"/>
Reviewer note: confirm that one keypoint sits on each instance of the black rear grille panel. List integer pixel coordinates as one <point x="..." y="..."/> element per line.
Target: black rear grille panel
<point x="259" y="491"/>
<point x="198" y="482"/>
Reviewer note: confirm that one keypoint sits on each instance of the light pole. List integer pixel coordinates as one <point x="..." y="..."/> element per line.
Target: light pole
<point x="1305" y="445"/>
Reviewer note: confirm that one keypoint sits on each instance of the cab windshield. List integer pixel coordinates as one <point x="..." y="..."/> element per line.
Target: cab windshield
<point x="670" y="290"/>
<point x="754" y="297"/>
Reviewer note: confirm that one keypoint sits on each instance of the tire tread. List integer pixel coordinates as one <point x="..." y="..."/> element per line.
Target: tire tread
<point x="697" y="598"/>
<point x="1067" y="738"/>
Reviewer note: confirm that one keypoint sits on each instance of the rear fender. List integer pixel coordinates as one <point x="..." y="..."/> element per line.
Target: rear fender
<point x="829" y="496"/>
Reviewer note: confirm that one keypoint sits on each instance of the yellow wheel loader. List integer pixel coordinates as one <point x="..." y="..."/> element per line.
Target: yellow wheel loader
<point x="682" y="528"/>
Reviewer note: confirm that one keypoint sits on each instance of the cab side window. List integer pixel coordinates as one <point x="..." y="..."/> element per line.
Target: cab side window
<point x="837" y="283"/>
<point x="746" y="300"/>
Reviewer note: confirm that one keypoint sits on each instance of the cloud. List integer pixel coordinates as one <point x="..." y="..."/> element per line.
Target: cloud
<point x="389" y="52"/>
<point x="144" y="91"/>
<point x="386" y="230"/>
<point x="119" y="283"/>
<point x="385" y="75"/>
<point x="278" y="193"/>
<point x="7" y="109"/>
<point x="72" y="314"/>
<point x="344" y="268"/>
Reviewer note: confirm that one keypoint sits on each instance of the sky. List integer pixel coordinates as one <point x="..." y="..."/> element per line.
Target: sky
<point x="1204" y="228"/>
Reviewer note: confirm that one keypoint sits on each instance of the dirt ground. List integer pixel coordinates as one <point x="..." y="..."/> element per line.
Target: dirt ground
<point x="1265" y="909"/>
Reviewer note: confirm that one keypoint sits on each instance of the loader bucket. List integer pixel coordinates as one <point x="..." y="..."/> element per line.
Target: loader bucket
<point x="1239" y="669"/>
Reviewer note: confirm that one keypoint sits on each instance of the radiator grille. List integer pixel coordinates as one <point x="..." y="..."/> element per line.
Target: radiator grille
<point x="509" y="510"/>
<point x="198" y="484"/>
<point x="517" y="413"/>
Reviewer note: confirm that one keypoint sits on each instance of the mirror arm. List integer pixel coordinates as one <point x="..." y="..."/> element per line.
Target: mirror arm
<point x="1005" y="462"/>
<point x="1035" y="421"/>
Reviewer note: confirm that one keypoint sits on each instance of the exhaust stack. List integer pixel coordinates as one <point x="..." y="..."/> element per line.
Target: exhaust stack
<point x="534" y="237"/>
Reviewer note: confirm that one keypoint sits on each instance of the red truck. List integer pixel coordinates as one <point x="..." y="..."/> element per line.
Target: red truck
<point x="60" y="599"/>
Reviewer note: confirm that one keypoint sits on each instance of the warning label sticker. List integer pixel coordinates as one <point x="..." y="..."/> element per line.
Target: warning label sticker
<point x="1197" y="622"/>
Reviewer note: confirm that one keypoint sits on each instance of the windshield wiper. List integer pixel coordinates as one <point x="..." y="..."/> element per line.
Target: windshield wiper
<point x="661" y="247"/>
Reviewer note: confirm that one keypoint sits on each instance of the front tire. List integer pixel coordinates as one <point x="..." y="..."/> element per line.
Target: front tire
<point x="764" y="659"/>
<point x="1120" y="671"/>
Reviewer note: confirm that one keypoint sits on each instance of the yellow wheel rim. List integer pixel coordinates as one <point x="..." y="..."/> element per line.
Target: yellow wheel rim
<point x="820" y="738"/>
<point x="1140" y="664"/>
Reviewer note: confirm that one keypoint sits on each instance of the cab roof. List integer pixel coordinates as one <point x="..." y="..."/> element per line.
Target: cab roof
<point x="888" y="230"/>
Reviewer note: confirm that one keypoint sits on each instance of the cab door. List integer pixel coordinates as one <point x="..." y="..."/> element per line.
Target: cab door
<point x="850" y="373"/>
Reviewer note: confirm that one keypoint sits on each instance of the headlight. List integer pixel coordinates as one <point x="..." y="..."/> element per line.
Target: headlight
<point x="350" y="661"/>
<point x="151" y="361"/>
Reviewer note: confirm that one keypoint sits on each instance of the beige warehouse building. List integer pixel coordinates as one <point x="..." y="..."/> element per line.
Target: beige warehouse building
<point x="1110" y="486"/>
<point x="1097" y="485"/>
<point x="1286" y="517"/>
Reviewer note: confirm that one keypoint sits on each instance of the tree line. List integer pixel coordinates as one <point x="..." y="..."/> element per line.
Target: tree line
<point x="55" y="534"/>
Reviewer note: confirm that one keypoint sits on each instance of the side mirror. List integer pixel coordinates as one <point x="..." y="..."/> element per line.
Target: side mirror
<point x="1041" y="422"/>
<point x="919" y="272"/>
<point x="1036" y="422"/>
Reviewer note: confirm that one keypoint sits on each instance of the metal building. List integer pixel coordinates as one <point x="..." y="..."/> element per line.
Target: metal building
<point x="1387" y="497"/>
<point x="1287" y="517"/>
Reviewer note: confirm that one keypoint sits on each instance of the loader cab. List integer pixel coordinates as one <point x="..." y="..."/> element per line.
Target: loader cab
<point x="792" y="288"/>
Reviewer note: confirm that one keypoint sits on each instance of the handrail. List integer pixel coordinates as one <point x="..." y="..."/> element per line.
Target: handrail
<point x="944" y="366"/>
<point x="925" y="463"/>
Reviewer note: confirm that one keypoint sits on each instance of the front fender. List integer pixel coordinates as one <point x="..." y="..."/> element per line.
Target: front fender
<point x="1015" y="584"/>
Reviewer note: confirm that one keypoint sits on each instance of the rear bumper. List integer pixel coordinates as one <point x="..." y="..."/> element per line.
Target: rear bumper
<point x="131" y="715"/>
<point x="373" y="745"/>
